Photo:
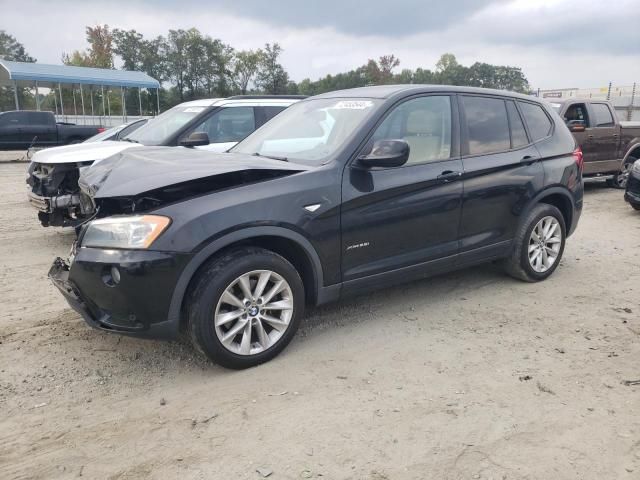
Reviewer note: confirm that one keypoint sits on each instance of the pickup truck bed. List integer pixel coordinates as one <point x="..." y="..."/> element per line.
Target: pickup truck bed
<point x="22" y="129"/>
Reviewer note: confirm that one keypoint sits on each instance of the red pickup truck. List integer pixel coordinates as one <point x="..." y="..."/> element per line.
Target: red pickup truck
<point x="609" y="146"/>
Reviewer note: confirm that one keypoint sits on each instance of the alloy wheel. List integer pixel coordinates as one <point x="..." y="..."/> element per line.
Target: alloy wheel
<point x="253" y="312"/>
<point x="622" y="177"/>
<point x="545" y="242"/>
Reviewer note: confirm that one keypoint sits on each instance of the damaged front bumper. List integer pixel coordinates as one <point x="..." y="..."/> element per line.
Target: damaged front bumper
<point x="121" y="291"/>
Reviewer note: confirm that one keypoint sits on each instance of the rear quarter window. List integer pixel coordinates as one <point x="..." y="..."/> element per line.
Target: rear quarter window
<point x="537" y="120"/>
<point x="602" y="114"/>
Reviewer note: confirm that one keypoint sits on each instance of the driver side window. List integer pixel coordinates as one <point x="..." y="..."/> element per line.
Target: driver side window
<point x="424" y="123"/>
<point x="230" y="124"/>
<point x="576" y="114"/>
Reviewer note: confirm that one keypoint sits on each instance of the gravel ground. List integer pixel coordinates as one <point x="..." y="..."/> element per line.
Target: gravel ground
<point x="470" y="375"/>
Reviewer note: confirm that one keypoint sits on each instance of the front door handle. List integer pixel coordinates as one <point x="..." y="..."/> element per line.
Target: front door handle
<point x="590" y="137"/>
<point x="448" y="176"/>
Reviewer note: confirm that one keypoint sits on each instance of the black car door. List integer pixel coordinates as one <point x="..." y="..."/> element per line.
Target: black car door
<point x="39" y="129"/>
<point x="502" y="172"/>
<point x="11" y="130"/>
<point x="405" y="216"/>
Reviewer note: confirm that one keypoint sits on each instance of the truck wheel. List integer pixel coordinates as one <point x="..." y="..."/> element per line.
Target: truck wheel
<point x="538" y="245"/>
<point x="245" y="307"/>
<point x="620" y="179"/>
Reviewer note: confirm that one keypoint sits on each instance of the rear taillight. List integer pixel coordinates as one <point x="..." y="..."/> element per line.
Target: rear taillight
<point x="101" y="129"/>
<point x="579" y="159"/>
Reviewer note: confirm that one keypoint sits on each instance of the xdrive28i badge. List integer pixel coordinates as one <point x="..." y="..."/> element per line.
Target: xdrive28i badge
<point x="357" y="245"/>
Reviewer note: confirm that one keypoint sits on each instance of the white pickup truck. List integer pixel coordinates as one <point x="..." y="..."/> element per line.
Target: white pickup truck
<point x="215" y="125"/>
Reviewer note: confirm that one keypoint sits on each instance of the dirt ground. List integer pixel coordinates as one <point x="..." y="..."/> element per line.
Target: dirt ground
<point x="471" y="375"/>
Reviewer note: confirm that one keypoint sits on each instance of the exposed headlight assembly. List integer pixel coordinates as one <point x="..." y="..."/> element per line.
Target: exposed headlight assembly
<point x="636" y="167"/>
<point x="134" y="232"/>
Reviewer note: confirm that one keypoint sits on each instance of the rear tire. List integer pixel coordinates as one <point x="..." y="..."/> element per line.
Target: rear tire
<point x="536" y="255"/>
<point x="229" y="316"/>
<point x="620" y="179"/>
<point x="635" y="206"/>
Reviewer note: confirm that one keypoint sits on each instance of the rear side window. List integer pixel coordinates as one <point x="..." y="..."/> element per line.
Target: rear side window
<point x="603" y="115"/>
<point x="230" y="124"/>
<point x="270" y="112"/>
<point x="38" y="118"/>
<point x="537" y="121"/>
<point x="518" y="133"/>
<point x="487" y="125"/>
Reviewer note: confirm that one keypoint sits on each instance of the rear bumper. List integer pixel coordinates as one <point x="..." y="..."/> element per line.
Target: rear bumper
<point x="138" y="304"/>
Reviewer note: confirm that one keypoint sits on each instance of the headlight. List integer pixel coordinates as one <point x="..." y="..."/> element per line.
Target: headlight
<point x="636" y="167"/>
<point x="125" y="232"/>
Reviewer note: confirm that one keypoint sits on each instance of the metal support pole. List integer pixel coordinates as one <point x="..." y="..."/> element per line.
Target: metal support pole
<point x="633" y="97"/>
<point x="61" y="103"/>
<point x="37" y="97"/>
<point x="15" y="94"/>
<point x="609" y="92"/>
<point x="104" y="112"/>
<point x="109" y="105"/>
<point x="84" y="118"/>
<point x="158" y="100"/>
<point x="140" y="100"/>
<point x="124" y="106"/>
<point x="55" y="100"/>
<point x="91" y="96"/>
<point x="75" y="110"/>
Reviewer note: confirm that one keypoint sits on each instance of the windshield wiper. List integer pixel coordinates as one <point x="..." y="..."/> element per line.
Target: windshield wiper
<point x="272" y="157"/>
<point x="127" y="139"/>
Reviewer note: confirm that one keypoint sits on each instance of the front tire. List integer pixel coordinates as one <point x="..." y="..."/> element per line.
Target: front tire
<point x="538" y="245"/>
<point x="620" y="179"/>
<point x="245" y="307"/>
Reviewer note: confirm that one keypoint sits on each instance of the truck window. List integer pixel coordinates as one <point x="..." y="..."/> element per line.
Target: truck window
<point x="603" y="115"/>
<point x="10" y="119"/>
<point x="487" y="125"/>
<point x="577" y="113"/>
<point x="537" y="121"/>
<point x="37" y="118"/>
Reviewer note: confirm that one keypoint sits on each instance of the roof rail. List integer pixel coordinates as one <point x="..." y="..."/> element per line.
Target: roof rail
<point x="263" y="97"/>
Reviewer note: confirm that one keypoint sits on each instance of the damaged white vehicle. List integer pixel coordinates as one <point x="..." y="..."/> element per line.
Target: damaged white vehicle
<point x="214" y="124"/>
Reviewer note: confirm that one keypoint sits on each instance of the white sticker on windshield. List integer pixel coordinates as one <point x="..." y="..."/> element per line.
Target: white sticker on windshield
<point x="193" y="109"/>
<point x="354" y="104"/>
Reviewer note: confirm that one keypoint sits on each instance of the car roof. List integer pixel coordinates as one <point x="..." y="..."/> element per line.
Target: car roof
<point x="247" y="100"/>
<point x="388" y="91"/>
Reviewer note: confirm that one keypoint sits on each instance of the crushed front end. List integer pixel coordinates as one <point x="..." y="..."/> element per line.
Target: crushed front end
<point x="54" y="192"/>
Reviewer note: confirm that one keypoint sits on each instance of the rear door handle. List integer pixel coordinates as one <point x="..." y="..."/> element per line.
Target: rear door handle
<point x="590" y="137"/>
<point x="529" y="159"/>
<point x="448" y="176"/>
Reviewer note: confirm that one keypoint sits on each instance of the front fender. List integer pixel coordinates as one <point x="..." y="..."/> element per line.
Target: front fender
<point x="218" y="244"/>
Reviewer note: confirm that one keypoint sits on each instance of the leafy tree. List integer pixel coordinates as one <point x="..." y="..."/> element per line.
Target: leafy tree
<point x="272" y="77"/>
<point x="13" y="50"/>
<point x="245" y="67"/>
<point x="100" y="51"/>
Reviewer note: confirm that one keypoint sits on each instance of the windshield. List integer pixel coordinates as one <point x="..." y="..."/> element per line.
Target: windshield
<point x="309" y="132"/>
<point x="164" y="126"/>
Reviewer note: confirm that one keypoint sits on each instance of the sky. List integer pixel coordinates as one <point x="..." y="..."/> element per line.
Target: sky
<point x="557" y="43"/>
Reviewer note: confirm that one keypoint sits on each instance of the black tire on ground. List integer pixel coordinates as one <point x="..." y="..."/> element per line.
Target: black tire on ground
<point x="619" y="180"/>
<point x="636" y="206"/>
<point x="211" y="283"/>
<point x="517" y="264"/>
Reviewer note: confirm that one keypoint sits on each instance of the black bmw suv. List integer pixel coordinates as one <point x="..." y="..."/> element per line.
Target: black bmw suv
<point x="341" y="193"/>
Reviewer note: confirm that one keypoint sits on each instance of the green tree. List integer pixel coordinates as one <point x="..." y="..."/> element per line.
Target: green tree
<point x="12" y="50"/>
<point x="272" y="77"/>
<point x="100" y="51"/>
<point x="245" y="67"/>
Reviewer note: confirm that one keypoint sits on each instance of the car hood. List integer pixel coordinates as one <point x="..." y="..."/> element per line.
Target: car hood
<point x="141" y="170"/>
<point x="81" y="152"/>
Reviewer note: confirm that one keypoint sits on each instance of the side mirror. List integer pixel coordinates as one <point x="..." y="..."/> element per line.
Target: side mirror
<point x="576" y="125"/>
<point x="386" y="153"/>
<point x="195" y="139"/>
